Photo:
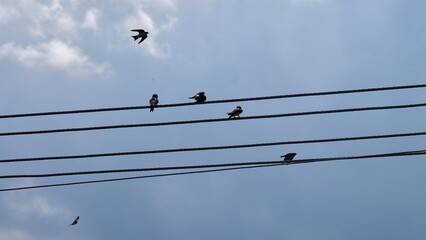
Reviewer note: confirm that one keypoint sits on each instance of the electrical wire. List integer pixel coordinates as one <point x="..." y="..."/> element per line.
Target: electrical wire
<point x="136" y="177"/>
<point x="20" y="115"/>
<point x="111" y="154"/>
<point x="395" y="154"/>
<point x="136" y="170"/>
<point x="280" y="163"/>
<point x="213" y="120"/>
<point x="311" y="160"/>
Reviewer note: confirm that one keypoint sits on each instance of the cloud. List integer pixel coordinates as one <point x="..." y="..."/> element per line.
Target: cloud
<point x="27" y="205"/>
<point x="91" y="19"/>
<point x="8" y="14"/>
<point x="47" y="20"/>
<point x="27" y="209"/>
<point x="56" y="55"/>
<point x="53" y="33"/>
<point x="164" y="4"/>
<point x="151" y="45"/>
<point x="7" y="234"/>
<point x="308" y="2"/>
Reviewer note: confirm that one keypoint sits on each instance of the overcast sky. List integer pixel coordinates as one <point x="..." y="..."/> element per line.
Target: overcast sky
<point x="78" y="54"/>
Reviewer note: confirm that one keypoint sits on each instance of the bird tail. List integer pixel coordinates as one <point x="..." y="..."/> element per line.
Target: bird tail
<point x="191" y="97"/>
<point x="135" y="37"/>
<point x="152" y="109"/>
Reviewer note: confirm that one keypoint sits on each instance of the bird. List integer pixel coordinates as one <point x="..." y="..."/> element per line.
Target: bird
<point x="142" y="34"/>
<point x="153" y="102"/>
<point x="199" y="97"/>
<point x="75" y="221"/>
<point x="288" y="157"/>
<point x="236" y="112"/>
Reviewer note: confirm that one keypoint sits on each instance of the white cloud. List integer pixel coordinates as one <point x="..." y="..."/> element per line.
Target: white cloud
<point x="8" y="234"/>
<point x="47" y="20"/>
<point x="23" y="208"/>
<point x="308" y="2"/>
<point x="24" y="205"/>
<point x="91" y="19"/>
<point x="55" y="55"/>
<point x="57" y="27"/>
<point x="162" y="4"/>
<point x="141" y="17"/>
<point x="8" y="14"/>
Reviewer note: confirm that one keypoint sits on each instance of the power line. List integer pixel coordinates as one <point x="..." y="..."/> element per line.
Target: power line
<point x="311" y="160"/>
<point x="79" y="129"/>
<point x="20" y="115"/>
<point x="137" y="177"/>
<point x="324" y="140"/>
<point x="280" y="163"/>
<point x="137" y="170"/>
<point x="395" y="154"/>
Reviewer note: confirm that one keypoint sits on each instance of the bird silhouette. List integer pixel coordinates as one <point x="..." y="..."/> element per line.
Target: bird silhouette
<point x="153" y="102"/>
<point x="288" y="157"/>
<point x="142" y="34"/>
<point x="236" y="112"/>
<point x="75" y="221"/>
<point x="199" y="97"/>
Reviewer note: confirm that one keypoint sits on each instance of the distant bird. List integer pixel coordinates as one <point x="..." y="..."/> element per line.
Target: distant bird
<point x="142" y="34"/>
<point x="236" y="112"/>
<point x="153" y="102"/>
<point x="288" y="157"/>
<point x="199" y="97"/>
<point x="75" y="221"/>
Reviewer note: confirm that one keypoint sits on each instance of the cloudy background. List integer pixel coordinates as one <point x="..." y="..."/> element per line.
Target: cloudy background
<point x="63" y="55"/>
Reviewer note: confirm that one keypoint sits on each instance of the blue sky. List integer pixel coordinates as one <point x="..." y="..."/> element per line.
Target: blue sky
<point x="63" y="55"/>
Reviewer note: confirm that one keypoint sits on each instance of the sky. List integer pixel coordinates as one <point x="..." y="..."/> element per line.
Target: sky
<point x="65" y="55"/>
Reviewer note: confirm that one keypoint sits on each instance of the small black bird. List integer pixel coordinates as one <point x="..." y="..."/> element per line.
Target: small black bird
<point x="236" y="112"/>
<point x="153" y="102"/>
<point x="199" y="97"/>
<point x="141" y="34"/>
<point x="288" y="157"/>
<point x="75" y="221"/>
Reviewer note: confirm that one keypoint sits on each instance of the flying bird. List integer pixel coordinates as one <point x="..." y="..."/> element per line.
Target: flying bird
<point x="236" y="112"/>
<point x="153" y="102"/>
<point x="142" y="34"/>
<point x="75" y="221"/>
<point x="199" y="97"/>
<point x="288" y="157"/>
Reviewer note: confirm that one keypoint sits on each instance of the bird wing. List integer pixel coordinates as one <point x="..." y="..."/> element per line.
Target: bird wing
<point x="153" y="101"/>
<point x="137" y="30"/>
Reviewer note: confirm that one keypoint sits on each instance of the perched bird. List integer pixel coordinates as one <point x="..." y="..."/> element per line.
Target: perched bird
<point x="236" y="112"/>
<point x="153" y="102"/>
<point x="199" y="97"/>
<point x="142" y="34"/>
<point x="288" y="157"/>
<point x="75" y="221"/>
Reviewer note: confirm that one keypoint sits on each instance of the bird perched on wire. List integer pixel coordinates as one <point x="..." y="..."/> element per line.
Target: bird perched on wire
<point x="199" y="97"/>
<point x="288" y="157"/>
<point x="153" y="102"/>
<point x="75" y="221"/>
<point x="236" y="112"/>
<point x="142" y="34"/>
